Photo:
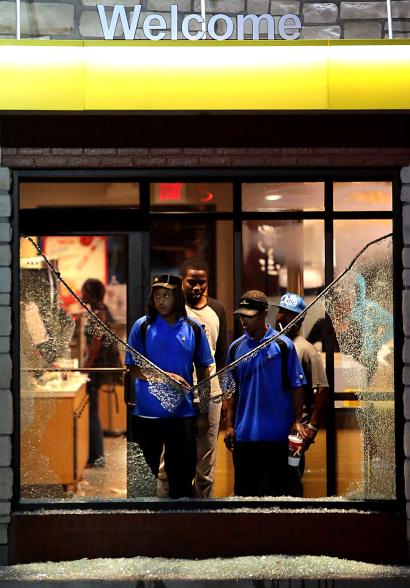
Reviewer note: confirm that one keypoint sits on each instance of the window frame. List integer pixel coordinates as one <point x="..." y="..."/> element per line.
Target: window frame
<point x="134" y="224"/>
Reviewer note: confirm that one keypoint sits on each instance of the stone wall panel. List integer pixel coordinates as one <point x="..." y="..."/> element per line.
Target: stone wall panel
<point x="7" y="20"/>
<point x="279" y="8"/>
<point x="399" y="26"/>
<point x="407" y="481"/>
<point x="5" y="286"/>
<point x="407" y="439"/>
<point x="90" y="25"/>
<point x="322" y="12"/>
<point x="165" y="5"/>
<point x="78" y="19"/>
<point x="257" y="6"/>
<point x="363" y="10"/>
<point x="405" y="178"/>
<point x="4" y="344"/>
<point x="406" y="223"/>
<point x="5" y="256"/>
<point x="406" y="278"/>
<point x="110" y="3"/>
<point x="5" y="205"/>
<point x="228" y="6"/>
<point x="406" y="350"/>
<point x="5" y="507"/>
<point x="362" y="30"/>
<point x="405" y="190"/>
<point x="6" y="483"/>
<point x="5" y="365"/>
<point x="320" y="32"/>
<point x="5" y="234"/>
<point x="5" y="178"/>
<point x="208" y="6"/>
<point x="38" y="18"/>
<point x="400" y="9"/>
<point x="6" y="412"/>
<point x="3" y="533"/>
<point x="406" y="313"/>
<point x="406" y="406"/>
<point x="5" y="450"/>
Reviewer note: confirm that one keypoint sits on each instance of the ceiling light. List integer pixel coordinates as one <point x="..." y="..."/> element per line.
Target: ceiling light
<point x="271" y="197"/>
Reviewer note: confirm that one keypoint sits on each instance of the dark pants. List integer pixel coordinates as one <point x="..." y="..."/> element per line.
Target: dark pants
<point x="96" y="449"/>
<point x="176" y="436"/>
<point x="260" y="468"/>
<point x="295" y="474"/>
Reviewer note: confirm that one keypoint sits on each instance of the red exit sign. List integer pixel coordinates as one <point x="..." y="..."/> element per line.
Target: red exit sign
<point x="170" y="191"/>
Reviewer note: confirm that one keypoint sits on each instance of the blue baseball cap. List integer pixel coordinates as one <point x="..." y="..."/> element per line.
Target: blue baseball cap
<point x="292" y="302"/>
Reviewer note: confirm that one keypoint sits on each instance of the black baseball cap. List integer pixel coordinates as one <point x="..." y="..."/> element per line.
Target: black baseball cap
<point x="251" y="303"/>
<point x="168" y="281"/>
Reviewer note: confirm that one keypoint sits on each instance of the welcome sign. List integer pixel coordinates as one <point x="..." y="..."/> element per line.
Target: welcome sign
<point x="154" y="26"/>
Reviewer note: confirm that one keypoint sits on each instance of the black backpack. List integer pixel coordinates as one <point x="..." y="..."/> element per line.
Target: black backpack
<point x="284" y="351"/>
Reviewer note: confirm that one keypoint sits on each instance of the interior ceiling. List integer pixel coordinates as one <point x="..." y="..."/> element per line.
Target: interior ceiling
<point x="357" y="129"/>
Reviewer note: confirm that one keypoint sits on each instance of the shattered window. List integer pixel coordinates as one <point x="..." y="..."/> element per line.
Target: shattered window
<point x="360" y="307"/>
<point x="73" y="417"/>
<point x="76" y="442"/>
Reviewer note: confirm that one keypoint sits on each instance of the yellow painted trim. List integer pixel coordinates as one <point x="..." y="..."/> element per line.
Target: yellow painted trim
<point x="205" y="75"/>
<point x="372" y="77"/>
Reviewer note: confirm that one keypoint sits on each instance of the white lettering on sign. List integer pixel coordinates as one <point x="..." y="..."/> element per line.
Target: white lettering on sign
<point x="288" y="27"/>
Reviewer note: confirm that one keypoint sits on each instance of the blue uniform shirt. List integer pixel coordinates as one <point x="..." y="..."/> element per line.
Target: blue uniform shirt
<point x="264" y="410"/>
<point x="172" y="348"/>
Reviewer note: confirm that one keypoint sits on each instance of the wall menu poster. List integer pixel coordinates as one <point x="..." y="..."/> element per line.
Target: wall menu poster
<point x="78" y="258"/>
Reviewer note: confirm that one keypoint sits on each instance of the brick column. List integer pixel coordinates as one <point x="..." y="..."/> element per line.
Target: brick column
<point x="405" y="196"/>
<point x="6" y="405"/>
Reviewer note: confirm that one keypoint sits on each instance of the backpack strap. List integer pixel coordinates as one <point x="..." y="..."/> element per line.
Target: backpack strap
<point x="284" y="351"/>
<point x="197" y="333"/>
<point x="231" y="357"/>
<point x="143" y="332"/>
<point x="233" y="349"/>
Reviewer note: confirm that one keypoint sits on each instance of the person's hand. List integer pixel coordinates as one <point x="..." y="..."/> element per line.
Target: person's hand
<point x="179" y="379"/>
<point x="224" y="409"/>
<point x="201" y="424"/>
<point x="229" y="438"/>
<point x="310" y="432"/>
<point x="299" y="429"/>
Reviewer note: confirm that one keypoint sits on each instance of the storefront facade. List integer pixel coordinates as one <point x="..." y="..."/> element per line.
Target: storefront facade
<point x="305" y="121"/>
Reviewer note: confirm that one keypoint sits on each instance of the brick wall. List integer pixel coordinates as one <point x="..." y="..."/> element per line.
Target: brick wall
<point x="6" y="410"/>
<point x="203" y="157"/>
<point x="78" y="19"/>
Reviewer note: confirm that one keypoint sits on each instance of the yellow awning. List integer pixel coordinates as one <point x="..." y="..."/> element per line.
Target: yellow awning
<point x="204" y="75"/>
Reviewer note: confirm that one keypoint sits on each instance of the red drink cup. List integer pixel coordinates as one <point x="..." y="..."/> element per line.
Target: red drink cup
<point x="295" y="449"/>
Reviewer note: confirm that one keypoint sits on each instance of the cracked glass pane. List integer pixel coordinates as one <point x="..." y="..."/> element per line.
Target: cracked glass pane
<point x="72" y="357"/>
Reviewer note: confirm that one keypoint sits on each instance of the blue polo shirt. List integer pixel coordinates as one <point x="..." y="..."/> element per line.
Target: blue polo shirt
<point x="264" y="410"/>
<point x="172" y="348"/>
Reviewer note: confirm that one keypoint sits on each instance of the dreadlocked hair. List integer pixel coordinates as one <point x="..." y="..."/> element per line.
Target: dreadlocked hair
<point x="180" y="309"/>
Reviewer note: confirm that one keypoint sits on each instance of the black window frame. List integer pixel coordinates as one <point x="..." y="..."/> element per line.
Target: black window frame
<point x="134" y="223"/>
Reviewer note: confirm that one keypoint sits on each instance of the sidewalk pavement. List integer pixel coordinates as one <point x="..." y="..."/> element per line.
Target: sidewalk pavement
<point x="270" y="571"/>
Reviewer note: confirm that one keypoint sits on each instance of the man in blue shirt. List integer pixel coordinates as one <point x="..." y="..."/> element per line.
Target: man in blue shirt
<point x="172" y="342"/>
<point x="265" y="408"/>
